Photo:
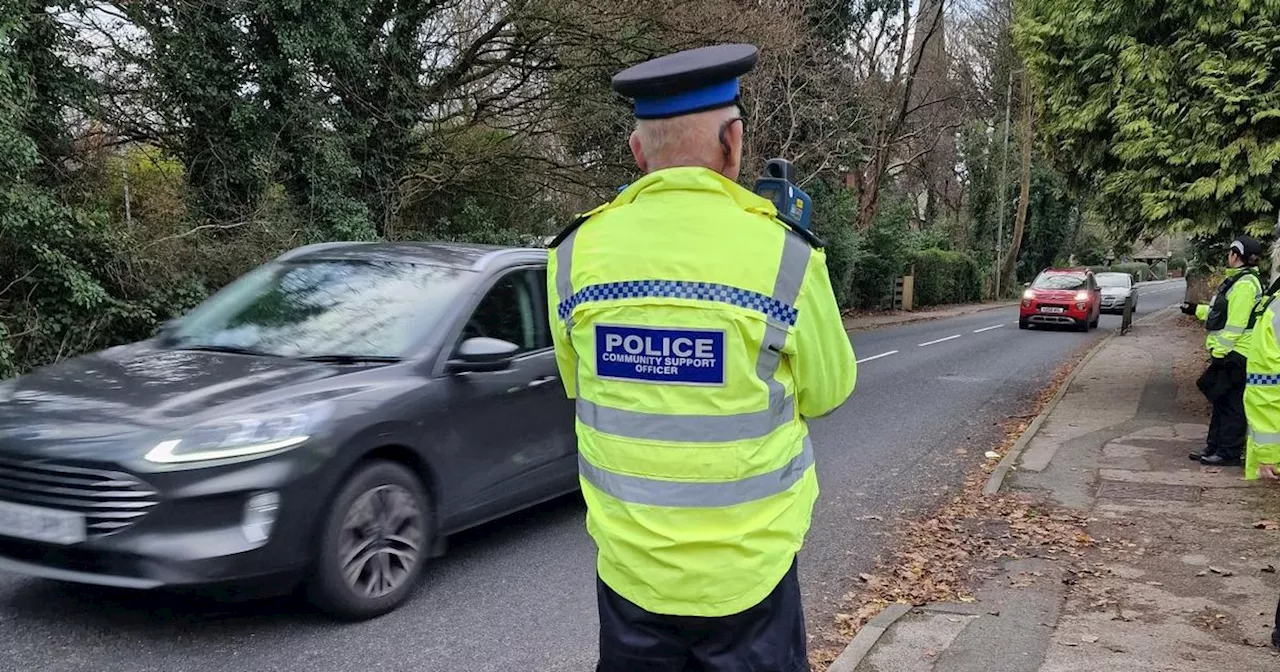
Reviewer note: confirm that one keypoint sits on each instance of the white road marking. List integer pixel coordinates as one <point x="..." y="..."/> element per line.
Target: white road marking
<point x="979" y="331"/>
<point x="883" y="354"/>
<point x="940" y="340"/>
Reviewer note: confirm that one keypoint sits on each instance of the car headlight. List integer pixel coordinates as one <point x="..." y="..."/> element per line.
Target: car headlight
<point x="242" y="436"/>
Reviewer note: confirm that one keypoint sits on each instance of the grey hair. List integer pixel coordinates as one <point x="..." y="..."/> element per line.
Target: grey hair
<point x="688" y="140"/>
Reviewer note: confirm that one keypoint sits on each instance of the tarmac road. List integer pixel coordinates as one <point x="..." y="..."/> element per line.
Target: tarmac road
<point x="519" y="594"/>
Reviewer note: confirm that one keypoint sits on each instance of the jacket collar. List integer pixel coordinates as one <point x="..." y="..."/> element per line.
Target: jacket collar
<point x="693" y="179"/>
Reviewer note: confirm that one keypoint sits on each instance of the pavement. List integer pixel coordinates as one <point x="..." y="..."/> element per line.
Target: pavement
<point x="518" y="594"/>
<point x="1180" y="571"/>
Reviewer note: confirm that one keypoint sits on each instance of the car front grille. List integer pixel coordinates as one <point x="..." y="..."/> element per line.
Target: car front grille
<point x="111" y="501"/>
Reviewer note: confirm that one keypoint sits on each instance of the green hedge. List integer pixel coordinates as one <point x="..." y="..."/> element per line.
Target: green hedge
<point x="944" y="277"/>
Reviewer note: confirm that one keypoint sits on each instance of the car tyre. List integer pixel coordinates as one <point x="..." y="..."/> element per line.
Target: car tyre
<point x="1023" y="323"/>
<point x="1094" y="323"/>
<point x="375" y="539"/>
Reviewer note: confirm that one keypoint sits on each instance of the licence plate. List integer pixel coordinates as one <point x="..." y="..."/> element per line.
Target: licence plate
<point x="41" y="524"/>
<point x="1053" y="310"/>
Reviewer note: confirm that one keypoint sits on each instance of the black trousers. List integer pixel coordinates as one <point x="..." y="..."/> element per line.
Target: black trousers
<point x="1275" y="633"/>
<point x="768" y="637"/>
<point x="1223" y="385"/>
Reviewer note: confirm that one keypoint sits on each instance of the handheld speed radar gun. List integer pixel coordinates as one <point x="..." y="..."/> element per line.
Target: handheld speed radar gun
<point x="778" y="185"/>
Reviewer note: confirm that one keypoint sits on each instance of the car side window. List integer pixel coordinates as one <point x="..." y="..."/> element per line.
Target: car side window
<point x="544" y="319"/>
<point x="509" y="312"/>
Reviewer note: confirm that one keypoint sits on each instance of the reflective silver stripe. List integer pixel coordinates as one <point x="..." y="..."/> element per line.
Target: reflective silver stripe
<point x="791" y="270"/>
<point x="1222" y="342"/>
<point x="564" y="287"/>
<point x="686" y="428"/>
<point x="1264" y="437"/>
<point x="564" y="269"/>
<point x="1230" y="330"/>
<point x="1228" y="345"/>
<point x="686" y="494"/>
<point x="786" y="288"/>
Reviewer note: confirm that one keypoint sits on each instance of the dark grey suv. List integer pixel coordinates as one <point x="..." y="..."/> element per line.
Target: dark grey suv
<point x="328" y="418"/>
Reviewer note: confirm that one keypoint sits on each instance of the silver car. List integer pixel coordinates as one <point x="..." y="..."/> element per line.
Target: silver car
<point x="1116" y="289"/>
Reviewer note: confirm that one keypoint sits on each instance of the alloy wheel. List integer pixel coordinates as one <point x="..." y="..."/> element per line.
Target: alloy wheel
<point x="381" y="540"/>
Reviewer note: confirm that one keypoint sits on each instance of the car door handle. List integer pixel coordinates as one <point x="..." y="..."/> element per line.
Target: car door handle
<point x="541" y="381"/>
<point x="533" y="384"/>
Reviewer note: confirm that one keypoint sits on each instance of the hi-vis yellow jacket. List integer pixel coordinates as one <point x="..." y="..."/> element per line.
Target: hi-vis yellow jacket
<point x="1243" y="295"/>
<point x="696" y="333"/>
<point x="1262" y="389"/>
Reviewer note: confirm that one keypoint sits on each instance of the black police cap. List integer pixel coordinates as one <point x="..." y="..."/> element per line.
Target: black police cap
<point x="686" y="82"/>
<point x="1246" y="247"/>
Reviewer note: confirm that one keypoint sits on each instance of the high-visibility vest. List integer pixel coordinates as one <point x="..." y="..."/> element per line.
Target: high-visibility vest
<point x="696" y="332"/>
<point x="1226" y="316"/>
<point x="1262" y="389"/>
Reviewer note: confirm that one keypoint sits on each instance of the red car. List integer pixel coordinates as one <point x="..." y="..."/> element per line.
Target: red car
<point x="1062" y="297"/>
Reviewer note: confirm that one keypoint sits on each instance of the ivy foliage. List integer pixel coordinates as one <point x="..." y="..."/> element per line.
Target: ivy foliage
<point x="63" y="289"/>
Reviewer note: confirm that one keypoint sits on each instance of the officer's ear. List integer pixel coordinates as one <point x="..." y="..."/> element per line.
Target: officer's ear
<point x="731" y="141"/>
<point x="637" y="151"/>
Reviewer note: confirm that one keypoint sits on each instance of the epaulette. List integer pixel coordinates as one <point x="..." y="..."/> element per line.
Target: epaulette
<point x="809" y="237"/>
<point x="573" y="226"/>
<point x="577" y="222"/>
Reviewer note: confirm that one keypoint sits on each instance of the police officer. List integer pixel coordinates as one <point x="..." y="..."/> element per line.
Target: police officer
<point x="1262" y="396"/>
<point x="696" y="331"/>
<point x="1226" y="317"/>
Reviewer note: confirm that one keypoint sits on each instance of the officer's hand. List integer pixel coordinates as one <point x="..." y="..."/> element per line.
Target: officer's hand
<point x="1269" y="472"/>
<point x="1188" y="308"/>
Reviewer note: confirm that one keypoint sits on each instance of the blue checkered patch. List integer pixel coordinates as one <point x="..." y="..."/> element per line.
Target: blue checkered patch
<point x="676" y="289"/>
<point x="1263" y="379"/>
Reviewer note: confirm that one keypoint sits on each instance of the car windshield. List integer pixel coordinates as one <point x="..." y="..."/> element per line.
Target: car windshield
<point x="1113" y="280"/>
<point x="1060" y="281"/>
<point x="323" y="307"/>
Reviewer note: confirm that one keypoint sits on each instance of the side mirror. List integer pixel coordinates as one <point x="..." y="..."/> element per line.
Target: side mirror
<point x="167" y="330"/>
<point x="1025" y="285"/>
<point x="481" y="355"/>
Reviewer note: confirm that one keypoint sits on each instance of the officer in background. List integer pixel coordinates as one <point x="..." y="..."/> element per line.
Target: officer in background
<point x="1227" y="317"/>
<point x="697" y="332"/>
